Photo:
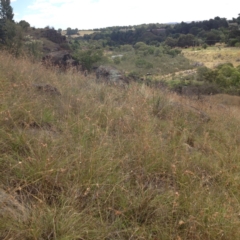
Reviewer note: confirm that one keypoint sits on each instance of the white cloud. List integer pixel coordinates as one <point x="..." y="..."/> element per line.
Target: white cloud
<point x="103" y="13"/>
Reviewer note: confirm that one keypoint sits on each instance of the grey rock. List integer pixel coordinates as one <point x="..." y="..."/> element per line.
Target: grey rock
<point x="62" y="59"/>
<point x="110" y="75"/>
<point x="197" y="64"/>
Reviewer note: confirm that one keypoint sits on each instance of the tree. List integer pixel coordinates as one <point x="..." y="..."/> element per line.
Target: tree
<point x="88" y="57"/>
<point x="72" y="31"/>
<point x="171" y="42"/>
<point x="186" y="40"/>
<point x="25" y="25"/>
<point x="6" y="15"/>
<point x="2" y="31"/>
<point x="6" y="11"/>
<point x="212" y="38"/>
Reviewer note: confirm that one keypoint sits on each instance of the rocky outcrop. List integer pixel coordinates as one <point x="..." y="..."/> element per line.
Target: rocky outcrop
<point x="110" y="75"/>
<point x="62" y="59"/>
<point x="57" y="57"/>
<point x="197" y="64"/>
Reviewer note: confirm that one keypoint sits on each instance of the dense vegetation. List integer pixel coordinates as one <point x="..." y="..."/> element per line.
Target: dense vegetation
<point x="177" y="35"/>
<point x="225" y="75"/>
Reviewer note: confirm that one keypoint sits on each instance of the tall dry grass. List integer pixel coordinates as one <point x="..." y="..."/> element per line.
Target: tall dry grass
<point x="212" y="56"/>
<point x="106" y="162"/>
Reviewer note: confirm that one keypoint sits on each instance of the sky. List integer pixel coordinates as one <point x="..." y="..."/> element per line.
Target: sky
<point x="89" y="14"/>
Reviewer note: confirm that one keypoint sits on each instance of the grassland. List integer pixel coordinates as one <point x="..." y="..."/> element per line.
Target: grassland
<point x="106" y="162"/>
<point x="156" y="65"/>
<point x="213" y="56"/>
<point x="81" y="33"/>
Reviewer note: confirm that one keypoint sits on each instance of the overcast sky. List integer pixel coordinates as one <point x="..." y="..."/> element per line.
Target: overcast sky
<point x="88" y="14"/>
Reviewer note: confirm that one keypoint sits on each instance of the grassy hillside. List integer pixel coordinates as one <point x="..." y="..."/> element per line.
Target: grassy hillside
<point x="213" y="56"/>
<point x="107" y="162"/>
<point x="80" y="33"/>
<point x="156" y="65"/>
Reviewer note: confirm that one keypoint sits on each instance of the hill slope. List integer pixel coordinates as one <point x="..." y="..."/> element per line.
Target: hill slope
<point x="106" y="162"/>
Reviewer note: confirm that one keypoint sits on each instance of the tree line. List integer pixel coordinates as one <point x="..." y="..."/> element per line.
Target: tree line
<point x="174" y="35"/>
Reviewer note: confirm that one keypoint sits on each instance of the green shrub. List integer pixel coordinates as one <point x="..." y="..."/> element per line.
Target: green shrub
<point x="117" y="60"/>
<point x="232" y="41"/>
<point x="204" y="46"/>
<point x="201" y="73"/>
<point x="140" y="63"/>
<point x="148" y="65"/>
<point x="141" y="46"/>
<point x="126" y="48"/>
<point x="237" y="44"/>
<point x="134" y="75"/>
<point x="225" y="76"/>
<point x="124" y="58"/>
<point x="157" y="52"/>
<point x="174" y="52"/>
<point x="151" y="50"/>
<point x="89" y="57"/>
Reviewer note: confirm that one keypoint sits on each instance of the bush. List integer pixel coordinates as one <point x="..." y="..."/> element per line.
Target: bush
<point x="204" y="46"/>
<point x="232" y="42"/>
<point x="148" y="65"/>
<point x="134" y="75"/>
<point x="157" y="52"/>
<point x="88" y="58"/>
<point x="140" y="63"/>
<point x="237" y="44"/>
<point x="124" y="58"/>
<point x="117" y="60"/>
<point x="141" y="46"/>
<point x="174" y="52"/>
<point x="201" y="73"/>
<point x="151" y="50"/>
<point x="225" y="76"/>
<point x="25" y="25"/>
<point x="34" y="48"/>
<point x="126" y="48"/>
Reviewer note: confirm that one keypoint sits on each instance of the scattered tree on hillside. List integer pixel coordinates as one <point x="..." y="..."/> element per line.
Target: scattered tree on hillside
<point x="88" y="57"/>
<point x="25" y="25"/>
<point x="226" y="76"/>
<point x="6" y="18"/>
<point x="186" y="40"/>
<point x="212" y="38"/>
<point x="10" y="32"/>
<point x="6" y="11"/>
<point x="171" y="42"/>
<point x="71" y="31"/>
